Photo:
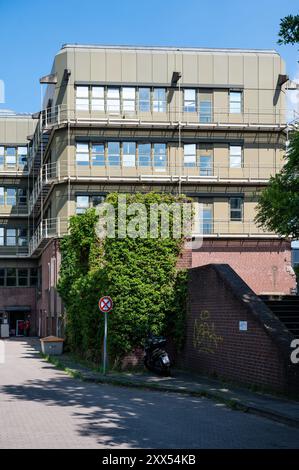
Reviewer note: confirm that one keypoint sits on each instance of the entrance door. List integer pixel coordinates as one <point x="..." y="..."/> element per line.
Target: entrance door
<point x="20" y="327"/>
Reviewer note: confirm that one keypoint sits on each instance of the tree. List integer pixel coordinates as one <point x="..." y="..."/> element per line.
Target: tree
<point x="289" y="30"/>
<point x="278" y="206"/>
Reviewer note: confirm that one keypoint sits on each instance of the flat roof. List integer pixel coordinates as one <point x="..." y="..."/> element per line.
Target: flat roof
<point x="168" y="48"/>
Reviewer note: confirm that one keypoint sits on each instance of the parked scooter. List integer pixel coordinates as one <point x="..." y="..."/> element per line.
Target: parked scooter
<point x="156" y="358"/>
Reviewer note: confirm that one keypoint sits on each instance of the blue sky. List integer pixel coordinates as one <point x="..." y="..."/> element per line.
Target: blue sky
<point x="32" y="31"/>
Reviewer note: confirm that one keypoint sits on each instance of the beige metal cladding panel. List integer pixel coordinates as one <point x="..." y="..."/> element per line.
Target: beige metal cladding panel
<point x="205" y="68"/>
<point x="113" y="66"/>
<point x="220" y="69"/>
<point x="16" y="130"/>
<point x="250" y="71"/>
<point x="221" y="209"/>
<point x="190" y="71"/>
<point x="97" y="66"/>
<point x="144" y="67"/>
<point x="266" y="77"/>
<point x="235" y="69"/>
<point x="251" y="104"/>
<point x="82" y="65"/>
<point x="128" y="67"/>
<point x="160" y="69"/>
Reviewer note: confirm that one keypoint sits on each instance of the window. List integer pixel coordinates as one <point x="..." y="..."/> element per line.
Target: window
<point x="33" y="277"/>
<point x="113" y="101"/>
<point x="190" y="155"/>
<point x="160" y="156"/>
<point x="2" y="277"/>
<point x="22" y="237"/>
<point x="144" y="154"/>
<point x="82" y="100"/>
<point x="97" y="200"/>
<point x="23" y="277"/>
<point x="159" y="100"/>
<point x="235" y="156"/>
<point x="1" y="236"/>
<point x="207" y="219"/>
<point x="2" y="201"/>
<point x="22" y="156"/>
<point x="97" y="98"/>
<point x="82" y="154"/>
<point x="1" y="155"/>
<point x="235" y="102"/>
<point x="129" y="152"/>
<point x="82" y="204"/>
<point x="129" y="99"/>
<point x="11" y="277"/>
<point x="144" y="100"/>
<point x="11" y="236"/>
<point x="98" y="155"/>
<point x="11" y="196"/>
<point x="11" y="156"/>
<point x="190" y="101"/>
<point x="205" y="111"/>
<point x="113" y="153"/>
<point x="236" y="209"/>
<point x="22" y="196"/>
<point x="205" y="165"/>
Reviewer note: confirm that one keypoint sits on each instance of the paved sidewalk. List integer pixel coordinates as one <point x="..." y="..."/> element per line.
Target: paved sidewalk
<point x="275" y="408"/>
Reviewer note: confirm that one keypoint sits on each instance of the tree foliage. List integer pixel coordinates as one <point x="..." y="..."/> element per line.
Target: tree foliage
<point x="139" y="274"/>
<point x="289" y="30"/>
<point x="278" y="207"/>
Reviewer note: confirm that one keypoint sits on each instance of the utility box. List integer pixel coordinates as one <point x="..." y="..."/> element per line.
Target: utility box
<point x="4" y="330"/>
<point x="52" y="345"/>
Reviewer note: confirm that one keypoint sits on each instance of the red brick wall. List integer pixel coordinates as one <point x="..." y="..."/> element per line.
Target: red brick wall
<point x="265" y="265"/>
<point x="215" y="346"/>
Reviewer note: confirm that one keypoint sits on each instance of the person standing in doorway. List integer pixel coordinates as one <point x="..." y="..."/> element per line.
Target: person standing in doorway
<point x="27" y="327"/>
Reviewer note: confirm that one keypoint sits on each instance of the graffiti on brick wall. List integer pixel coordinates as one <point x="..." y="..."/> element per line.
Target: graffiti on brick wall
<point x="205" y="338"/>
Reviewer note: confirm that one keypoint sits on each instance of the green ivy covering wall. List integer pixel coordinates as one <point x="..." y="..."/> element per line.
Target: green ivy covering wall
<point x="139" y="274"/>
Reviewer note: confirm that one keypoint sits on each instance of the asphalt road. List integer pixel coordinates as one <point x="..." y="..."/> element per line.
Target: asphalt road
<point x="41" y="407"/>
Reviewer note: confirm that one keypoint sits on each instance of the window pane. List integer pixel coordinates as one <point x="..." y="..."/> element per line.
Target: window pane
<point x="235" y="159"/>
<point x="2" y="277"/>
<point x="207" y="220"/>
<point x="11" y="277"/>
<point x="22" y="155"/>
<point x="11" y="234"/>
<point x="97" y="200"/>
<point x="129" y="99"/>
<point x="33" y="277"/>
<point x="23" y="277"/>
<point x="144" y="154"/>
<point x="190" y="155"/>
<point x="205" y="111"/>
<point x="82" y="203"/>
<point x="98" y="155"/>
<point x="97" y="98"/>
<point x="160" y="156"/>
<point x="235" y="102"/>
<point x="205" y="165"/>
<point x="129" y="152"/>
<point x="1" y="196"/>
<point x="1" y="236"/>
<point x="11" y="198"/>
<point x="22" y="237"/>
<point x="159" y="102"/>
<point x="113" y="101"/>
<point x="82" y="154"/>
<point x="113" y="153"/>
<point x="189" y="100"/>
<point x="144" y="100"/>
<point x="82" y="91"/>
<point x="236" y="206"/>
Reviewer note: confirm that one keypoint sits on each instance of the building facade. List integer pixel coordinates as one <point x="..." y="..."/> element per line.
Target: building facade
<point x="207" y="123"/>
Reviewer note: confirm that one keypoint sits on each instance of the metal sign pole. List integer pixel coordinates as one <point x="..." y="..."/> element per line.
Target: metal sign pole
<point x="105" y="344"/>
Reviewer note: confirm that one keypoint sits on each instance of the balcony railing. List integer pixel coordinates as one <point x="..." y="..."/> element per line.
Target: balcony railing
<point x="61" y="171"/>
<point x="58" y="227"/>
<point x="171" y="117"/>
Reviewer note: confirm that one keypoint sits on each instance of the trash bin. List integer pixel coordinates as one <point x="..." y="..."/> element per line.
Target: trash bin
<point x="52" y="345"/>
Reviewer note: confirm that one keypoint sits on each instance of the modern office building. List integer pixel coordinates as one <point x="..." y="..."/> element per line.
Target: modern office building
<point x="208" y="123"/>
